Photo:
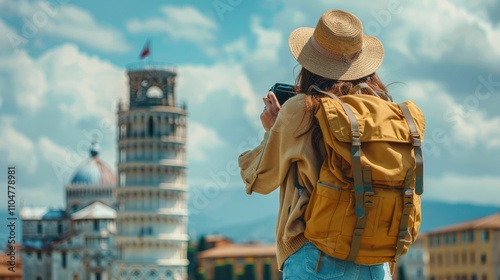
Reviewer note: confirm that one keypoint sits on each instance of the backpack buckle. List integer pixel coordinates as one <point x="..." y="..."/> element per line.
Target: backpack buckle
<point x="356" y="138"/>
<point x="368" y="199"/>
<point x="408" y="198"/>
<point x="416" y="140"/>
<point x="408" y="194"/>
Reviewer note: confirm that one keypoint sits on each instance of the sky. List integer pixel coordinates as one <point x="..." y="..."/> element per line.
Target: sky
<point x="63" y="69"/>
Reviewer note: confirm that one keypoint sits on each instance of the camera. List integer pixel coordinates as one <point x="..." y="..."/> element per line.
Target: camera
<point x="283" y="92"/>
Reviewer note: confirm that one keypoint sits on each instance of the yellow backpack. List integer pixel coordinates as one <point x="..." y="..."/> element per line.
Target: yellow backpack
<point x="366" y="205"/>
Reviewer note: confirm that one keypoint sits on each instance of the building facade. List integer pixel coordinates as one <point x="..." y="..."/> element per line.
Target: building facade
<point x="239" y="261"/>
<point x="131" y="228"/>
<point x="415" y="264"/>
<point x="77" y="242"/>
<point x="152" y="189"/>
<point x="467" y="251"/>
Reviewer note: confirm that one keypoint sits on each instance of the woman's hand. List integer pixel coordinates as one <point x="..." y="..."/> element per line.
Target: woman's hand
<point x="271" y="109"/>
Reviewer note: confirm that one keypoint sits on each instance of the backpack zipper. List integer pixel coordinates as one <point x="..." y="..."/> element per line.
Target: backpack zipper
<point x="328" y="185"/>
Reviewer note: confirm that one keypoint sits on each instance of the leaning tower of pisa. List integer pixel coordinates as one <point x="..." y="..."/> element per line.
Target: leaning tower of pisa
<point x="152" y="213"/>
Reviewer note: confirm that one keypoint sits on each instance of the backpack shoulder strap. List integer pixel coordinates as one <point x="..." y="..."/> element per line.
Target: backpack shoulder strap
<point x="361" y="86"/>
<point x="363" y="191"/>
<point x="417" y="146"/>
<point x="356" y="151"/>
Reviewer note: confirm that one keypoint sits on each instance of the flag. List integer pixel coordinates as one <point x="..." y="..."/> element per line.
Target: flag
<point x="145" y="50"/>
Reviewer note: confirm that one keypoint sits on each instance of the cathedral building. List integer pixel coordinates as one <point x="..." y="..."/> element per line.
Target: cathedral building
<point x="130" y="226"/>
<point x="77" y="242"/>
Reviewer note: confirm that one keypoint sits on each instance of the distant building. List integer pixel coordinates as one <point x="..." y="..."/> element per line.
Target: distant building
<point x="414" y="265"/>
<point x="131" y="228"/>
<point x="212" y="241"/>
<point x="77" y="242"/>
<point x="468" y="250"/>
<point x="261" y="259"/>
<point x="152" y="187"/>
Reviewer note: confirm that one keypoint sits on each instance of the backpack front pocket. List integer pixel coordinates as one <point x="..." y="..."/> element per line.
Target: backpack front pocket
<point x="324" y="220"/>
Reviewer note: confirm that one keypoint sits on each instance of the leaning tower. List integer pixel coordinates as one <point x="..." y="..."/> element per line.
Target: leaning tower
<point x="152" y="213"/>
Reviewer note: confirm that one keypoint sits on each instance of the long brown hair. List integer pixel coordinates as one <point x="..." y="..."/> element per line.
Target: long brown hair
<point x="306" y="78"/>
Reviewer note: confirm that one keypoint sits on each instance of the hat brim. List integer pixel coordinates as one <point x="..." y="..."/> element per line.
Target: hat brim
<point x="366" y="63"/>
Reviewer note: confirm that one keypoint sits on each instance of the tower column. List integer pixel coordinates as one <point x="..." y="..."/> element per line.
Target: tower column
<point x="152" y="221"/>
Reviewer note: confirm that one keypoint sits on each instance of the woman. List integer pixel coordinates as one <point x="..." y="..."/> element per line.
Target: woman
<point x="335" y="56"/>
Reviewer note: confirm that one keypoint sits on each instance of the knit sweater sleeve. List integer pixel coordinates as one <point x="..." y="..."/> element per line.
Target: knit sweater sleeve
<point x="265" y="168"/>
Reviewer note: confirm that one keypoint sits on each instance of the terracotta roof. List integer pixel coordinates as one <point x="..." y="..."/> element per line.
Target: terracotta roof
<point x="488" y="222"/>
<point x="215" y="238"/>
<point x="240" y="250"/>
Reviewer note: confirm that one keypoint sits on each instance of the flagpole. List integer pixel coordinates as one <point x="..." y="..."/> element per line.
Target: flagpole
<point x="150" y="51"/>
<point x="146" y="51"/>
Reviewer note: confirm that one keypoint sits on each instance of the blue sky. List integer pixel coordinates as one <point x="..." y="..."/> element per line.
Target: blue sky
<point x="63" y="68"/>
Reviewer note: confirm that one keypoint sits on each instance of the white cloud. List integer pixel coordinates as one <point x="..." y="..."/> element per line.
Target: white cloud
<point x="64" y="21"/>
<point x="446" y="31"/>
<point x="297" y="13"/>
<point x="470" y="126"/>
<point x="16" y="148"/>
<point x="82" y="90"/>
<point x="201" y="139"/>
<point x="265" y="54"/>
<point x="292" y="17"/>
<point x="62" y="162"/>
<point x="82" y="86"/>
<point x="237" y="49"/>
<point x="269" y="42"/>
<point x="454" y="187"/>
<point x="68" y="95"/>
<point x="180" y="23"/>
<point x="210" y="80"/>
<point x="23" y="81"/>
<point x="50" y="151"/>
<point x="47" y="195"/>
<point x="7" y="36"/>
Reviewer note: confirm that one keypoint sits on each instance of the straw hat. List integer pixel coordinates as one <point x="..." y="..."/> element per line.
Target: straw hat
<point x="337" y="48"/>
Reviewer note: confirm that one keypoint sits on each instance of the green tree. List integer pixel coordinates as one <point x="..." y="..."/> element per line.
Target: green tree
<point x="193" y="262"/>
<point x="401" y="273"/>
<point x="228" y="267"/>
<point x="267" y="272"/>
<point x="220" y="272"/>
<point x="202" y="244"/>
<point x="249" y="271"/>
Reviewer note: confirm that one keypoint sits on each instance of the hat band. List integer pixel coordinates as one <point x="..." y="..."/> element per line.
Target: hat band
<point x="346" y="58"/>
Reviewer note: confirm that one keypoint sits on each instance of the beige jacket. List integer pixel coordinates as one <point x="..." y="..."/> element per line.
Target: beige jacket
<point x="272" y="165"/>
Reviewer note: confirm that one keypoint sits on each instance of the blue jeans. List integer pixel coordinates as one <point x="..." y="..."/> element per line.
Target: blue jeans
<point x="302" y="266"/>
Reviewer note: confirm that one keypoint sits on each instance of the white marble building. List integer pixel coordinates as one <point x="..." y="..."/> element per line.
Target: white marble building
<point x="135" y="228"/>
<point x="77" y="242"/>
<point x="152" y="190"/>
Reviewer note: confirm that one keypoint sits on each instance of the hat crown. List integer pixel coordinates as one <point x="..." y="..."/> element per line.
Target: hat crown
<point x="339" y="33"/>
<point x="337" y="48"/>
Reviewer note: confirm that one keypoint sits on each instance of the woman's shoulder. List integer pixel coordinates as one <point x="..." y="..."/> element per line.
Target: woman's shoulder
<point x="293" y="115"/>
<point x="295" y="103"/>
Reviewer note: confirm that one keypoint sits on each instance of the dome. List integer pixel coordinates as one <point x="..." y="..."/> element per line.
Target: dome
<point x="94" y="171"/>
